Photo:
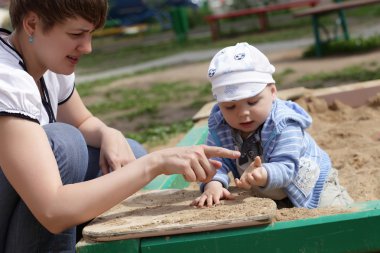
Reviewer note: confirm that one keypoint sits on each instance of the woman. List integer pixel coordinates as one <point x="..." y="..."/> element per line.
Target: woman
<point x="52" y="148"/>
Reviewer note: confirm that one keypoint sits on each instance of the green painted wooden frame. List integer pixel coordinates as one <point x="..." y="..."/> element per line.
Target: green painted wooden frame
<point x="349" y="232"/>
<point x="352" y="232"/>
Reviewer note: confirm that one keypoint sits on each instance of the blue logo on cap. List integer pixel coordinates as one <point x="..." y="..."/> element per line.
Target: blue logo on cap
<point x="239" y="56"/>
<point x="211" y="72"/>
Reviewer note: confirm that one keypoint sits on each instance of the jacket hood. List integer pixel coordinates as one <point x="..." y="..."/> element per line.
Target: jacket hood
<point x="216" y="118"/>
<point x="285" y="111"/>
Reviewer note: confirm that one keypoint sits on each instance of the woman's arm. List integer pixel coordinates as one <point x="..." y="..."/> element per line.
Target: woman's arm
<point x="29" y="164"/>
<point x="75" y="113"/>
<point x="114" y="149"/>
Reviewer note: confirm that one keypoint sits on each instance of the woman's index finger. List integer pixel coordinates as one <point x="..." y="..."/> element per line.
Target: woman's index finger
<point x="212" y="151"/>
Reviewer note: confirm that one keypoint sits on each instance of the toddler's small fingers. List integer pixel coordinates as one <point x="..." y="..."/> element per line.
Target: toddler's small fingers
<point x="228" y="195"/>
<point x="202" y="201"/>
<point x="210" y="200"/>
<point x="244" y="184"/>
<point x="195" y="202"/>
<point x="251" y="179"/>
<point x="238" y="183"/>
<point x="257" y="161"/>
<point x="213" y="201"/>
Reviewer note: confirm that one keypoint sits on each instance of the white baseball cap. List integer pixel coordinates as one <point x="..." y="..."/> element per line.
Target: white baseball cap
<point x="238" y="72"/>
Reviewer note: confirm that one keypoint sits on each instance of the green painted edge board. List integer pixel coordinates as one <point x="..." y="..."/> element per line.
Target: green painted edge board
<point x="197" y="135"/>
<point x="349" y="232"/>
<point x="127" y="246"/>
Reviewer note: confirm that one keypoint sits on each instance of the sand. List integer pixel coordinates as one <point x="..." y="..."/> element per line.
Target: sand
<point x="351" y="136"/>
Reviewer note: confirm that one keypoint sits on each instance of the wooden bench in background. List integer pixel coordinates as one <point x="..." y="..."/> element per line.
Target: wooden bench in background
<point x="327" y="9"/>
<point x="261" y="12"/>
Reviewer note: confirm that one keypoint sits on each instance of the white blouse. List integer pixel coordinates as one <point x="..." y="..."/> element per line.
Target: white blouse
<point x="19" y="95"/>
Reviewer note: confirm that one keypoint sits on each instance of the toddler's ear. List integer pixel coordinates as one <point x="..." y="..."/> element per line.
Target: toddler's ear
<point x="273" y="90"/>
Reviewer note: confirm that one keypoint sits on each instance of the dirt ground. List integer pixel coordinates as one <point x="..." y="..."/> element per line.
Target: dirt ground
<point x="351" y="136"/>
<point x="196" y="73"/>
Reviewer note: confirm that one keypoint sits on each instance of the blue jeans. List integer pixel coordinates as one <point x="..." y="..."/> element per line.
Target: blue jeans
<point x="19" y="229"/>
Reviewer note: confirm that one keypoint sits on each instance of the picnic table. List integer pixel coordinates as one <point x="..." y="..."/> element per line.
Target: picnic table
<point x="261" y="12"/>
<point x="326" y="9"/>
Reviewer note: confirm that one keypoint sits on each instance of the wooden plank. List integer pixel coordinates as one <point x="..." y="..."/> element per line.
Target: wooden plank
<point x="333" y="7"/>
<point x="261" y="12"/>
<point x="168" y="212"/>
<point x="263" y="9"/>
<point x="204" y="112"/>
<point x="350" y="232"/>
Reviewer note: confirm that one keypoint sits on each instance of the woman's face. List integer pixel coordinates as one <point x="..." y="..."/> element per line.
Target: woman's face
<point x="60" y="48"/>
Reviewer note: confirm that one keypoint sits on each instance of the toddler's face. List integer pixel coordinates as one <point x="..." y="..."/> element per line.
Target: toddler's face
<point x="248" y="114"/>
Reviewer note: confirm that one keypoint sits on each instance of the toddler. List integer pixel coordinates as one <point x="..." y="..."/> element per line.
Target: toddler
<point x="279" y="159"/>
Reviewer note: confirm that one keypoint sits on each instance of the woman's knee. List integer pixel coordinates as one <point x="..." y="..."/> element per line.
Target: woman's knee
<point x="26" y="234"/>
<point x="70" y="151"/>
<point x="137" y="148"/>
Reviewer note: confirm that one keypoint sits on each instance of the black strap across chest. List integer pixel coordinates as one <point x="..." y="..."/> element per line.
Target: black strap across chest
<point x="45" y="93"/>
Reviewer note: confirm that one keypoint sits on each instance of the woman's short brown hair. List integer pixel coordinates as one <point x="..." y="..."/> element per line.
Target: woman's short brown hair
<point x="52" y="12"/>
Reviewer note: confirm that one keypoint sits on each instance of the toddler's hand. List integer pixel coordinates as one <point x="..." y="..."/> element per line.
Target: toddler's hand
<point x="255" y="174"/>
<point x="214" y="192"/>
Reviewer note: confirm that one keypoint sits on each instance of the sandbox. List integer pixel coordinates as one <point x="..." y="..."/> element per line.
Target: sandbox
<point x="327" y="231"/>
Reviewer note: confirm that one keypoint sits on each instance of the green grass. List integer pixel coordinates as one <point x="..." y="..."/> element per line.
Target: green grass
<point x="279" y="76"/>
<point x="156" y="134"/>
<point x="354" y="73"/>
<point x="144" y="101"/>
<point x="86" y="89"/>
<point x="129" y="105"/>
<point x="344" y="47"/>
